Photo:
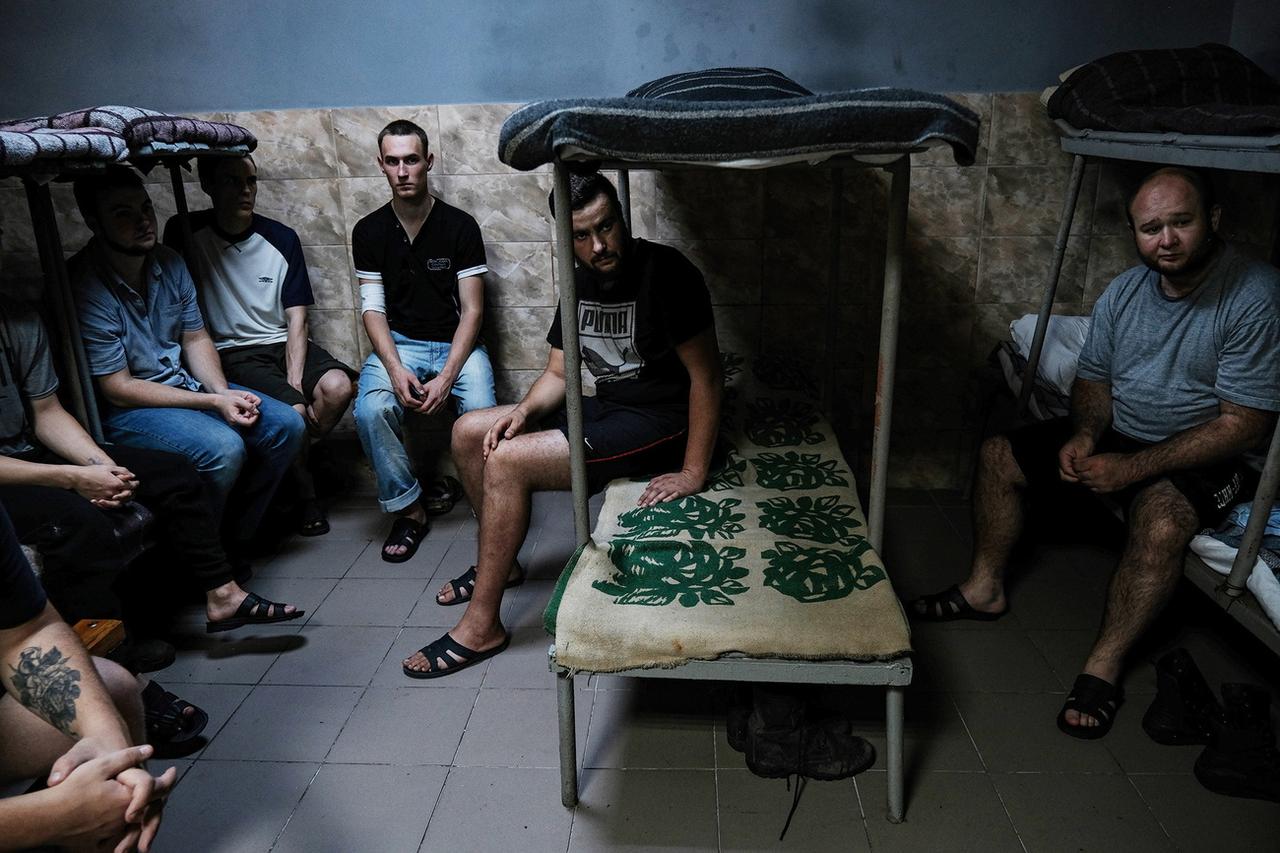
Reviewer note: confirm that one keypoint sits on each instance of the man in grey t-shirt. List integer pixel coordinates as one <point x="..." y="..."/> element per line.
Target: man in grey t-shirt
<point x="1178" y="384"/>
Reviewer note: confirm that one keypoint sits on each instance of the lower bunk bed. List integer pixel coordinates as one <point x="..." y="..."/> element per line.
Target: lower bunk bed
<point x="767" y="575"/>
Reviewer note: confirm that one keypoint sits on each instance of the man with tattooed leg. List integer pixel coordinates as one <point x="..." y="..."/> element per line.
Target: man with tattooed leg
<point x="73" y="717"/>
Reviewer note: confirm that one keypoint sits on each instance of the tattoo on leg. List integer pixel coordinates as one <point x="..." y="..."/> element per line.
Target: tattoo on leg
<point x="48" y="686"/>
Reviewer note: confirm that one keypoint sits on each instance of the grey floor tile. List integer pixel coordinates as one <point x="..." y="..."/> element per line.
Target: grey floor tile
<point x="363" y="807"/>
<point x="333" y="655"/>
<point x="359" y="518"/>
<point x="390" y="673"/>
<point x="238" y="657"/>
<point x="314" y="557"/>
<point x="1074" y="811"/>
<point x="528" y="602"/>
<point x="485" y="808"/>
<point x="948" y="659"/>
<point x="645" y="728"/>
<point x="753" y="811"/>
<point x="460" y="557"/>
<point x="524" y="663"/>
<point x="232" y="806"/>
<point x="944" y="811"/>
<point x="398" y="725"/>
<point x="667" y="810"/>
<point x="1061" y="586"/>
<point x="1197" y="819"/>
<point x="369" y="601"/>
<point x="1136" y="752"/>
<point x="421" y="566"/>
<point x="519" y="728"/>
<point x="1017" y="732"/>
<point x="285" y="724"/>
<point x="935" y="737"/>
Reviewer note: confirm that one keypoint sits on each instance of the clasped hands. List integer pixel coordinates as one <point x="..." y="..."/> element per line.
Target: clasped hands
<point x="108" y="797"/>
<point x="426" y="398"/>
<point x="1101" y="473"/>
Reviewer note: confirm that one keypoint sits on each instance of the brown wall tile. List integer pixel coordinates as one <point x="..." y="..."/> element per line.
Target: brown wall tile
<point x="355" y="132"/>
<point x="292" y="144"/>
<point x="469" y="138"/>
<point x="509" y="208"/>
<point x="1014" y="269"/>
<point x="330" y="274"/>
<point x="313" y="208"/>
<point x="519" y="274"/>
<point x="1022" y="133"/>
<point x="1022" y="201"/>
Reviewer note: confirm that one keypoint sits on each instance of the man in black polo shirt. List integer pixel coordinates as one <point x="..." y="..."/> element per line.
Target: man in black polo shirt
<point x="647" y="334"/>
<point x="419" y="262"/>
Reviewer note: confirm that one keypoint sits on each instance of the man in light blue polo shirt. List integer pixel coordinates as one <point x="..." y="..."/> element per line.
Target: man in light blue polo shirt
<point x="156" y="366"/>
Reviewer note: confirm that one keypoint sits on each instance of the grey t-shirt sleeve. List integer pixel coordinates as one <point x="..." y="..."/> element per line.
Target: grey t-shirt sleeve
<point x="1249" y="367"/>
<point x="34" y="363"/>
<point x="1099" y="344"/>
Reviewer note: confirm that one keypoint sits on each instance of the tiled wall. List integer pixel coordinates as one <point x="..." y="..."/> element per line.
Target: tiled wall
<point x="979" y="241"/>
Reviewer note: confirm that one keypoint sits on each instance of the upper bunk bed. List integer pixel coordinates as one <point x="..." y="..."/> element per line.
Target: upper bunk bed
<point x="60" y="146"/>
<point x="741" y="118"/>
<point x="1206" y="107"/>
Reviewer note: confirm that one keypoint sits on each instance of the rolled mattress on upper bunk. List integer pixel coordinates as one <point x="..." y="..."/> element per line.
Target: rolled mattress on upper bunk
<point x="45" y="149"/>
<point x="748" y="117"/>
<point x="145" y="131"/>
<point x="770" y="560"/>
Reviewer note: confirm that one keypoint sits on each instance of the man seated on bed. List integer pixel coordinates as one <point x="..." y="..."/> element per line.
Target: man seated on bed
<point x="256" y="290"/>
<point x="160" y="379"/>
<point x="1178" y="386"/>
<point x="648" y="337"/>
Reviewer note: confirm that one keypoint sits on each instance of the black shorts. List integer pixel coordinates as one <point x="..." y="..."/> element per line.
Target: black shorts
<point x="1211" y="490"/>
<point x="625" y="441"/>
<point x="262" y="368"/>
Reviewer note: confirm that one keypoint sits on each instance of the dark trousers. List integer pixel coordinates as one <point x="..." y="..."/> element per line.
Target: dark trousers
<point x="82" y="559"/>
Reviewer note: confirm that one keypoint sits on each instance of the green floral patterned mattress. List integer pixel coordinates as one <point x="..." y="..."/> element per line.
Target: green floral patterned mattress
<point x="770" y="560"/>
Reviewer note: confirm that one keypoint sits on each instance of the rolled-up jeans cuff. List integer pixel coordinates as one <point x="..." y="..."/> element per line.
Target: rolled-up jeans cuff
<point x="403" y="501"/>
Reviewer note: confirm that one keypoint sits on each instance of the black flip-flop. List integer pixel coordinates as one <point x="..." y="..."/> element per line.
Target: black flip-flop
<point x="441" y="496"/>
<point x="948" y="606"/>
<point x="457" y="656"/>
<point x="1095" y="697"/>
<point x="167" y="722"/>
<point x="254" y="610"/>
<point x="312" y="521"/>
<point x="407" y="533"/>
<point x="466" y="582"/>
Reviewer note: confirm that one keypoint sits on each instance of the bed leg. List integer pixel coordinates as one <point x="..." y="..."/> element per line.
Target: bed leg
<point x="568" y="741"/>
<point x="893" y="703"/>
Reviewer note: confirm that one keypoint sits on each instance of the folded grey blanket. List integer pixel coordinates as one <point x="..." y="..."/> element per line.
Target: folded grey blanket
<point x="86" y="145"/>
<point x="142" y="127"/>
<point x="711" y="117"/>
<point x="1210" y="89"/>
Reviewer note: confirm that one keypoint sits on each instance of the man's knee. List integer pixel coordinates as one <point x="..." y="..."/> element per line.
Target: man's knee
<point x="470" y="428"/>
<point x="335" y="388"/>
<point x="505" y="467"/>
<point x="1161" y="518"/>
<point x="122" y="687"/>
<point x="996" y="459"/>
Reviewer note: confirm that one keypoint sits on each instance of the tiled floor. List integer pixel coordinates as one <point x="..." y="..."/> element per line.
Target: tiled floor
<point x="319" y="743"/>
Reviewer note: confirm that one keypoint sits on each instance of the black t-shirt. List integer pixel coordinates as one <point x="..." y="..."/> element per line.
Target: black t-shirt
<point x="21" y="596"/>
<point x="420" y="279"/>
<point x="629" y="326"/>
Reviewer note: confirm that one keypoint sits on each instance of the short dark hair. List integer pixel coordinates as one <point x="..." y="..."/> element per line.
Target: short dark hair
<point x="1198" y="180"/>
<point x="585" y="188"/>
<point x="207" y="167"/>
<point x="88" y="188"/>
<point x="404" y="127"/>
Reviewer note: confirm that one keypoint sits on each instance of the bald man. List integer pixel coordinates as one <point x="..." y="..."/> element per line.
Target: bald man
<point x="1177" y="390"/>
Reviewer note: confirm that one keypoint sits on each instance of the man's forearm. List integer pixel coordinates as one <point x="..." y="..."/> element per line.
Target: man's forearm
<point x="30" y="820"/>
<point x="143" y="394"/>
<point x="57" y="430"/>
<point x="379" y="332"/>
<point x="1227" y="436"/>
<point x="464" y="341"/>
<point x="1090" y="407"/>
<point x="49" y="672"/>
<point x="203" y="361"/>
<point x="545" y="396"/>
<point x="295" y="343"/>
<point x="704" y="425"/>
<point x="18" y="472"/>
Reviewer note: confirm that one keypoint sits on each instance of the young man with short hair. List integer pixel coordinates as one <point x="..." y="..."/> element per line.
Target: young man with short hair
<point x="254" y="293"/>
<point x="420" y="263"/>
<point x="156" y="367"/>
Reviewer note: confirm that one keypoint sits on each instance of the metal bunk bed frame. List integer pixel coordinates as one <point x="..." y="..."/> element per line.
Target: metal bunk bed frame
<point x="894" y="675"/>
<point x="1232" y="153"/>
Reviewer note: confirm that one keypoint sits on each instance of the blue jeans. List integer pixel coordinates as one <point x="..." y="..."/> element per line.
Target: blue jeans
<point x="380" y="417"/>
<point x="221" y="453"/>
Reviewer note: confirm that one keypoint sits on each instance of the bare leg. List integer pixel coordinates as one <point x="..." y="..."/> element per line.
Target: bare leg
<point x="1161" y="524"/>
<point x="330" y="399"/>
<point x="514" y="471"/>
<point x="468" y="451"/>
<point x="29" y="745"/>
<point x="223" y="601"/>
<point x="997" y="524"/>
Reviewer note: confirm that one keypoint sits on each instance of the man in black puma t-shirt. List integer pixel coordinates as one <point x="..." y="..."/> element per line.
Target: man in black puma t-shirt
<point x="648" y="337"/>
